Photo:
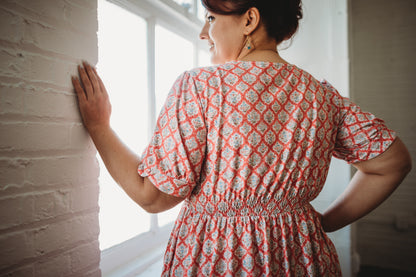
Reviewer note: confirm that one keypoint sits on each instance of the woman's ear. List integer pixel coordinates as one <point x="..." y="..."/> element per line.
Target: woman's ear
<point x="252" y="20"/>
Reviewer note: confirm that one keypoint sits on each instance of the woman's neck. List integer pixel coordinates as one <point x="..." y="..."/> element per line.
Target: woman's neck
<point x="264" y="55"/>
<point x="261" y="48"/>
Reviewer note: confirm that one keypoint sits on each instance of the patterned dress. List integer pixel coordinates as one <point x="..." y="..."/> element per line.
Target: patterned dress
<point x="249" y="145"/>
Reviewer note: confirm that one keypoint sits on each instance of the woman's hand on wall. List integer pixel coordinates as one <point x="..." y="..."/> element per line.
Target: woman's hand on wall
<point x="93" y="99"/>
<point x="119" y="160"/>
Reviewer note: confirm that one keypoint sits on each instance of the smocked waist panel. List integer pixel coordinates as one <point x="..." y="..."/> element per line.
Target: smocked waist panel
<point x="238" y="207"/>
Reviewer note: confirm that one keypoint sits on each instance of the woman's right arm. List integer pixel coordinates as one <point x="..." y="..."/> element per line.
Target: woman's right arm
<point x="373" y="183"/>
<point x="119" y="160"/>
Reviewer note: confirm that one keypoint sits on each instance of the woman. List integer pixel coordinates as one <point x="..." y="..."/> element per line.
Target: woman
<point x="246" y="144"/>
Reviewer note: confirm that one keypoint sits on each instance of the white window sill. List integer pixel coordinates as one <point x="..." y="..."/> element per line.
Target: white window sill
<point x="154" y="270"/>
<point x="140" y="256"/>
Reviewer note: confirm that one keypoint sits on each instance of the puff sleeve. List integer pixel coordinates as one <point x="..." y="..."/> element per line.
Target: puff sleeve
<point x="174" y="158"/>
<point x="360" y="135"/>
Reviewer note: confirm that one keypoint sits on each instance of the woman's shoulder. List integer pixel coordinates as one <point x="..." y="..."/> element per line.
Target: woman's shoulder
<point x="232" y="67"/>
<point x="283" y="71"/>
<point x="207" y="70"/>
<point x="252" y="67"/>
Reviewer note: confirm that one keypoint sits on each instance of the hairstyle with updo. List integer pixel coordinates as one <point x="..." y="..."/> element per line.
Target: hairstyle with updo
<point x="280" y="17"/>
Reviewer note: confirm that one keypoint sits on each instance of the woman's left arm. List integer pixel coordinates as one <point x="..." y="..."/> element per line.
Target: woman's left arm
<point x="119" y="160"/>
<point x="373" y="182"/>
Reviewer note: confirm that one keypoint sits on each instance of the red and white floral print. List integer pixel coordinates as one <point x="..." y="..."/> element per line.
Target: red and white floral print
<point x="249" y="145"/>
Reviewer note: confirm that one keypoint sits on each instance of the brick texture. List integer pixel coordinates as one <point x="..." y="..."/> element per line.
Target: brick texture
<point x="48" y="168"/>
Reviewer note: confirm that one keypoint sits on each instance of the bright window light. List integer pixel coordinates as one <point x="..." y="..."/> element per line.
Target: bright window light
<point x="122" y="41"/>
<point x="122" y="66"/>
<point x="185" y="3"/>
<point x="174" y="55"/>
<point x="204" y="59"/>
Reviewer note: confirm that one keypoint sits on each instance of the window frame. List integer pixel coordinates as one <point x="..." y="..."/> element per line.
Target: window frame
<point x="133" y="256"/>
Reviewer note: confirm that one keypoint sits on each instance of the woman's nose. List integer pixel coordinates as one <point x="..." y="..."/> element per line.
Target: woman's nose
<point x="204" y="32"/>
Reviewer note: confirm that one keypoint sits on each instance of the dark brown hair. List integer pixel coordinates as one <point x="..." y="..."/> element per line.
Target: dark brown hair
<point x="280" y="17"/>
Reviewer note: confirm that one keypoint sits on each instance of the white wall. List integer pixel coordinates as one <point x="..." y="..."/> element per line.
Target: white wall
<point x="48" y="170"/>
<point x="321" y="48"/>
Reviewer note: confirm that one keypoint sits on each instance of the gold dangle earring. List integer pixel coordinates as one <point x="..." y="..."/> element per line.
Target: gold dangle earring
<point x="249" y="44"/>
<point x="246" y="45"/>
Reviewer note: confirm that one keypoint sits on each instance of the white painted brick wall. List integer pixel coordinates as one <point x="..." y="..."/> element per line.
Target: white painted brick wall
<point x="383" y="82"/>
<point x="48" y="170"/>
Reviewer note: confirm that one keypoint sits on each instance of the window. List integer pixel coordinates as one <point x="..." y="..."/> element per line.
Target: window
<point x="192" y="6"/>
<point x="121" y="56"/>
<point x="143" y="48"/>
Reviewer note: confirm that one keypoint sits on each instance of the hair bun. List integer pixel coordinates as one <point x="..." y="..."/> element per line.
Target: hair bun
<point x="280" y="17"/>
